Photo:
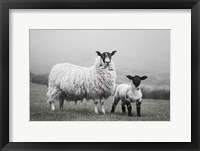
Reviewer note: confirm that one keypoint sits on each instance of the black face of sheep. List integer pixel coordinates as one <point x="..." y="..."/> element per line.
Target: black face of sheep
<point x="106" y="56"/>
<point x="136" y="80"/>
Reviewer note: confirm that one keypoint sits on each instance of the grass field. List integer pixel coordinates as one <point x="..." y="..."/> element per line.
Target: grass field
<point x="152" y="110"/>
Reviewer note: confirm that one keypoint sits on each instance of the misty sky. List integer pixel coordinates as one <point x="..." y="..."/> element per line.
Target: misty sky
<point x="137" y="50"/>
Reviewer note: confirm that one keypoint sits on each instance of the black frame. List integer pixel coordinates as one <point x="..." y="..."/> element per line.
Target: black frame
<point x="5" y="5"/>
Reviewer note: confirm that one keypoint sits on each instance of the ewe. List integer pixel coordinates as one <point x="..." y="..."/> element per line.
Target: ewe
<point x="73" y="83"/>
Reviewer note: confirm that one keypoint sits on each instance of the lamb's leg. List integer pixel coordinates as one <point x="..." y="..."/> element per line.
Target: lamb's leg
<point x="115" y="102"/>
<point x="129" y="108"/>
<point x="123" y="107"/>
<point x="95" y="106"/>
<point x="102" y="106"/>
<point x="138" y="107"/>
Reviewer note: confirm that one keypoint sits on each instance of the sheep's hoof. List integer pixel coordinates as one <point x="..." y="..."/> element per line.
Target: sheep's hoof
<point x="112" y="110"/>
<point x="123" y="111"/>
<point x="96" y="111"/>
<point x="103" y="111"/>
<point x="52" y="109"/>
<point x="139" y="115"/>
<point x="130" y="114"/>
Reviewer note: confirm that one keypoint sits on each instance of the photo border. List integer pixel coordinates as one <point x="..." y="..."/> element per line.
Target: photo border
<point x="5" y="5"/>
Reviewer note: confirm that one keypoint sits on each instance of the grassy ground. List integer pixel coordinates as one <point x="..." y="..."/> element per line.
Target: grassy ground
<point x="152" y="110"/>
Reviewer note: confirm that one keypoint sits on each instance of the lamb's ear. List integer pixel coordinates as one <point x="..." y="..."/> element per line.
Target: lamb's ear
<point x="130" y="77"/>
<point x="143" y="77"/>
<point x="98" y="53"/>
<point x="112" y="53"/>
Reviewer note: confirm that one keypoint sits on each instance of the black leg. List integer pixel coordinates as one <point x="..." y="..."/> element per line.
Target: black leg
<point x="113" y="108"/>
<point x="138" y="107"/>
<point x="61" y="100"/>
<point x="123" y="108"/>
<point x="61" y="104"/>
<point x="114" y="105"/>
<point x="129" y="108"/>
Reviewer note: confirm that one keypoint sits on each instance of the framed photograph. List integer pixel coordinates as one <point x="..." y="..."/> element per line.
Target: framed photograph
<point x="99" y="75"/>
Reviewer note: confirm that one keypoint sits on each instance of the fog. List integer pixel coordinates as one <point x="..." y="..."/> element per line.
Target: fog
<point x="137" y="50"/>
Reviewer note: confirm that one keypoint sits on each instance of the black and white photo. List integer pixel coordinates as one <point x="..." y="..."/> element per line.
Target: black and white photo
<point x="99" y="75"/>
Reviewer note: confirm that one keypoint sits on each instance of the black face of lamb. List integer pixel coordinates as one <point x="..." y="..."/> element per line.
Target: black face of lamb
<point x="136" y="80"/>
<point x="138" y="107"/>
<point x="106" y="56"/>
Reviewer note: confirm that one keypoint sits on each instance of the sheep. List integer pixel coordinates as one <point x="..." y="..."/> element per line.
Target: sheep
<point x="73" y="83"/>
<point x="128" y="94"/>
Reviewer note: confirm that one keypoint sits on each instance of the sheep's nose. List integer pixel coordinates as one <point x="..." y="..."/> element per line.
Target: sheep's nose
<point x="107" y="60"/>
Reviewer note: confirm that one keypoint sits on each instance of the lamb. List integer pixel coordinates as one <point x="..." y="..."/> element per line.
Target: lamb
<point x="73" y="83"/>
<point x="128" y="94"/>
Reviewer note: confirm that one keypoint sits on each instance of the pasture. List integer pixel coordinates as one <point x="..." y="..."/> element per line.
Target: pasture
<point x="152" y="110"/>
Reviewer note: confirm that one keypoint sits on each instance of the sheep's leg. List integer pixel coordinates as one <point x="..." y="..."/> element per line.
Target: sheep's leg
<point x="102" y="106"/>
<point x="115" y="102"/>
<point x="51" y="102"/>
<point x="53" y="93"/>
<point x="129" y="108"/>
<point x="123" y="107"/>
<point x="138" y="107"/>
<point x="95" y="106"/>
<point x="61" y="100"/>
<point x="52" y="105"/>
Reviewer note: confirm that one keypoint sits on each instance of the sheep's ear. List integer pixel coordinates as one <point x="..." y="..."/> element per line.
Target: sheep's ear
<point x="130" y="77"/>
<point x="143" y="77"/>
<point x="98" y="53"/>
<point x="112" y="53"/>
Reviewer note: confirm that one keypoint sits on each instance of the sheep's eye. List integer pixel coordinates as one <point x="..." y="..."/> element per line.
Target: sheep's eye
<point x="109" y="55"/>
<point x="103" y="56"/>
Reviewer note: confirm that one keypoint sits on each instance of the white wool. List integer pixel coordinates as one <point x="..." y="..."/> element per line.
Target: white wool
<point x="128" y="92"/>
<point x="77" y="82"/>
